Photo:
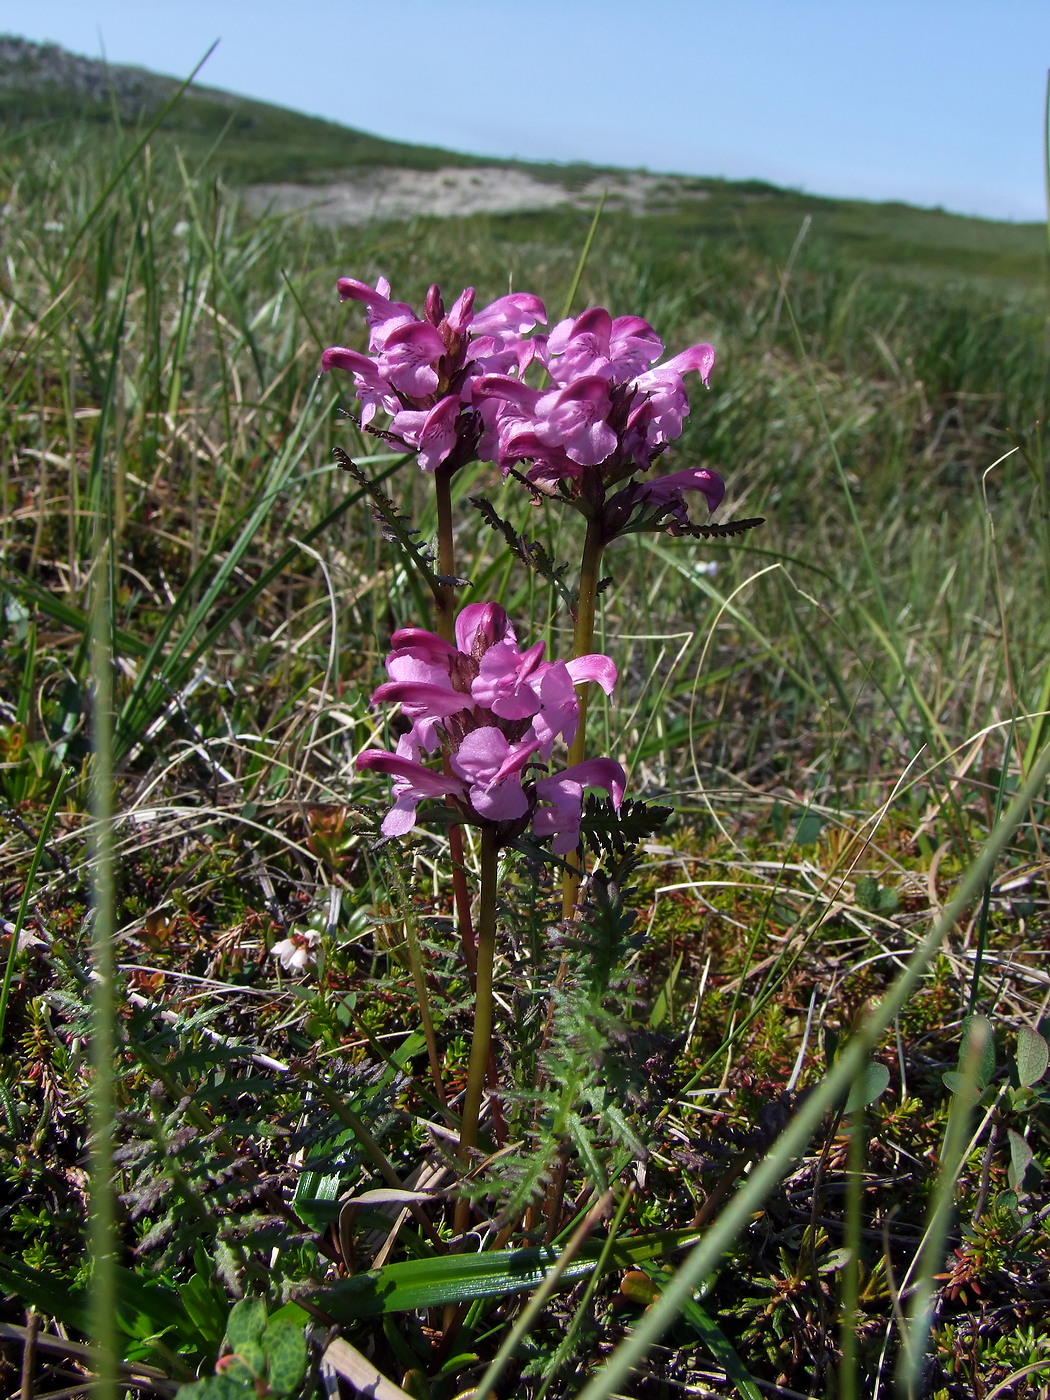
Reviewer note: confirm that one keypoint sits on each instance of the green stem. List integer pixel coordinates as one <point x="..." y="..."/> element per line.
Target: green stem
<point x="102" y="1227"/>
<point x="445" y="612"/>
<point x="483" y="1003"/>
<point x="415" y="961"/>
<point x="583" y="645"/>
<point x="445" y="593"/>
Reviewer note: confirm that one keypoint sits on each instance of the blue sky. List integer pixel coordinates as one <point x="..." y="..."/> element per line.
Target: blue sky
<point x="929" y="101"/>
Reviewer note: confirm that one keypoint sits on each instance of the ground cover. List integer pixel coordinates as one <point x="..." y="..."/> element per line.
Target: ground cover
<point x="838" y="708"/>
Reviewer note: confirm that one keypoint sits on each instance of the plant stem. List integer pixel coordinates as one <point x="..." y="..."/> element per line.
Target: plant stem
<point x="582" y="645"/>
<point x="102" y="1229"/>
<point x="483" y="1002"/>
<point x="445" y="593"/>
<point x="445" y="612"/>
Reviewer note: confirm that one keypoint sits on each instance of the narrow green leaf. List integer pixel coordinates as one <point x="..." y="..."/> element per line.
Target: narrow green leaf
<point x="40" y="1291"/>
<point x="458" y="1278"/>
<point x="721" y="1349"/>
<point x="316" y="1198"/>
<point x="203" y="1309"/>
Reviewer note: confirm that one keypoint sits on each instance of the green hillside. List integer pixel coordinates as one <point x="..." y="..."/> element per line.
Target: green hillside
<point x="49" y="94"/>
<point x="777" y="1071"/>
<point x="44" y="89"/>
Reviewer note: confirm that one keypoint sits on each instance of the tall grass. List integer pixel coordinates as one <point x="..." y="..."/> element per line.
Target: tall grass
<point x="842" y="699"/>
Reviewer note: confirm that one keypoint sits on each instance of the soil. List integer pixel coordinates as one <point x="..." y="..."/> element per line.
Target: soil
<point x="389" y="193"/>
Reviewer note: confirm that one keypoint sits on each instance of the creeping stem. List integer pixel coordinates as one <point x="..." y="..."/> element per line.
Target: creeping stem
<point x="583" y="645"/>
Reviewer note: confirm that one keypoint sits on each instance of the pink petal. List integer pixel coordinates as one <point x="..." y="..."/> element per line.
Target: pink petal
<point x="518" y="312"/>
<point x="593" y="667"/>
<point x="480" y="626"/>
<point x="432" y="700"/>
<point x="422" y="780"/>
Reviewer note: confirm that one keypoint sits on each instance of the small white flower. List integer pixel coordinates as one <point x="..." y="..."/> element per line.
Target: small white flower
<point x="296" y="952"/>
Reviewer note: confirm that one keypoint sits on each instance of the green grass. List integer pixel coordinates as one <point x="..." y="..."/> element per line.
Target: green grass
<point x="837" y="711"/>
<point x="248" y="141"/>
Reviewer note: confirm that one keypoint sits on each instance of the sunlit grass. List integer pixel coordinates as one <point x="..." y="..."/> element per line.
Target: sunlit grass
<point x="838" y="709"/>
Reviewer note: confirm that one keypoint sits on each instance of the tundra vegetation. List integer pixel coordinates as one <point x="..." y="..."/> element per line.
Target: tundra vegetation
<point x="765" y="1107"/>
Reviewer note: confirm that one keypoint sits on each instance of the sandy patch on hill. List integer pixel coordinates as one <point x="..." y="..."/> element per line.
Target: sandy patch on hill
<point x="404" y="194"/>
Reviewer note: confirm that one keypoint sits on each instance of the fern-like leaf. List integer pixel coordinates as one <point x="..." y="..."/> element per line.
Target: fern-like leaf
<point x="530" y="552"/>
<point x="396" y="526"/>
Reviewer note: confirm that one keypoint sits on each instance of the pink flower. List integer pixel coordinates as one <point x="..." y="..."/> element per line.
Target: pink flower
<point x="562" y="798"/>
<point x="421" y="370"/>
<point x="433" y="433"/>
<point x="596" y="344"/>
<point x="574" y="418"/>
<point x="493" y="710"/>
<point x="408" y="357"/>
<point x="559" y="711"/>
<point x="668" y="492"/>
<point x="507" y="678"/>
<point x="412" y="784"/>
<point x="660" y="504"/>
<point x="492" y="766"/>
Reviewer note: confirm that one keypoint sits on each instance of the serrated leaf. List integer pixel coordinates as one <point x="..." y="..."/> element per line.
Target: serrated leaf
<point x="872" y="1084"/>
<point x="246" y="1322"/>
<point x="285" y="1348"/>
<point x="1032" y="1056"/>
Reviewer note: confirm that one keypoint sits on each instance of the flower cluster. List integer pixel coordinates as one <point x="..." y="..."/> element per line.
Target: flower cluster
<point x="421" y="371"/>
<point x="454" y="387"/>
<point x="494" y="712"/>
<point x="607" y="406"/>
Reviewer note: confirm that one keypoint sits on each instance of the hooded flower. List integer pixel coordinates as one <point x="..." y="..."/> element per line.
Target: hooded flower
<point x="421" y="370"/>
<point x="495" y="712"/>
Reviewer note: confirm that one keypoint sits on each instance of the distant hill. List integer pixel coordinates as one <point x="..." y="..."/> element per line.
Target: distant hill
<point x="45" y="85"/>
<point x="337" y="174"/>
